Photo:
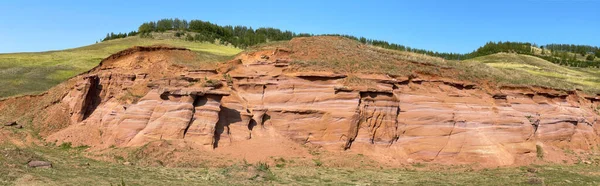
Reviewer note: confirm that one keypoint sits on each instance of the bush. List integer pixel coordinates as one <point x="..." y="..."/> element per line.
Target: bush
<point x="590" y="58"/>
<point x="65" y="146"/>
<point x="264" y="172"/>
<point x="318" y="162"/>
<point x="179" y="34"/>
<point x="539" y="151"/>
<point x="189" y="37"/>
<point x="228" y="78"/>
<point x="146" y="35"/>
<point x="262" y="166"/>
<point x="535" y="181"/>
<point x="212" y="83"/>
<point x="280" y="163"/>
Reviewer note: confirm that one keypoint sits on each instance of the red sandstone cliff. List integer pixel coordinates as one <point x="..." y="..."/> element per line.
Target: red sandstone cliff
<point x="139" y="96"/>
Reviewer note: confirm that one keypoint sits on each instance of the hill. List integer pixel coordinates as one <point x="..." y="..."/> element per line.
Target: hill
<point x="32" y="73"/>
<point x="530" y="70"/>
<point x="243" y="36"/>
<point x="343" y="55"/>
<point x="291" y="111"/>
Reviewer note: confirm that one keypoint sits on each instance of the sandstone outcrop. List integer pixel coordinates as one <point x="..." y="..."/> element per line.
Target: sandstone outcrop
<point x="127" y="102"/>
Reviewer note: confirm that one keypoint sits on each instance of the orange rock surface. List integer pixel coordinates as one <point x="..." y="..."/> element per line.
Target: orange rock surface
<point x="138" y="96"/>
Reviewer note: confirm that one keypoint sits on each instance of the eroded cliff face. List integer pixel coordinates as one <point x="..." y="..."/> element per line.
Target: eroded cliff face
<point x="140" y="96"/>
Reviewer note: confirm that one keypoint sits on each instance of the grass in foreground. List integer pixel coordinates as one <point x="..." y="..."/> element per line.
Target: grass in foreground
<point x="31" y="73"/>
<point x="71" y="167"/>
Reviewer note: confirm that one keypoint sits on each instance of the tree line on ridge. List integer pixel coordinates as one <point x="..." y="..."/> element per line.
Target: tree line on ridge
<point x="243" y="37"/>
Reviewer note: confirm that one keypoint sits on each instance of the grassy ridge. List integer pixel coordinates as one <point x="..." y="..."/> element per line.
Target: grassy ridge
<point x="343" y="56"/>
<point x="530" y="70"/>
<point x="30" y="73"/>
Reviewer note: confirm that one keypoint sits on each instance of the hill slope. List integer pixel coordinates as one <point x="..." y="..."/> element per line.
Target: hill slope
<point x="343" y="55"/>
<point x="31" y="73"/>
<point x="331" y="92"/>
<point x="530" y="70"/>
<point x="309" y="102"/>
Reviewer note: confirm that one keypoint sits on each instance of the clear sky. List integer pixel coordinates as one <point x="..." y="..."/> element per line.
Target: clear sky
<point x="444" y="25"/>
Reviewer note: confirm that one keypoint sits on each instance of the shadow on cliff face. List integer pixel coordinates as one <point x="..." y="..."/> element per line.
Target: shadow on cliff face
<point x="227" y="116"/>
<point x="92" y="98"/>
<point x="199" y="101"/>
<point x="252" y="124"/>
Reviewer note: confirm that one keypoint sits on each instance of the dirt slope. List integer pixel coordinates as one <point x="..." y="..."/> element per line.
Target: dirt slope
<point x="264" y="103"/>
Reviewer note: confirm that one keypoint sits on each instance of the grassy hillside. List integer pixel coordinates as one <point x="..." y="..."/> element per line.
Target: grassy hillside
<point x="533" y="70"/>
<point x="347" y="56"/>
<point x="31" y="73"/>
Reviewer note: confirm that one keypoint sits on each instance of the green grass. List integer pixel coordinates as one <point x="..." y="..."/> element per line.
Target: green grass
<point x="529" y="70"/>
<point x="72" y="167"/>
<point x="35" y="72"/>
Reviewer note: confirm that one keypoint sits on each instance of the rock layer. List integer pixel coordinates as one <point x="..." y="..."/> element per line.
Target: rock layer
<point x="125" y="102"/>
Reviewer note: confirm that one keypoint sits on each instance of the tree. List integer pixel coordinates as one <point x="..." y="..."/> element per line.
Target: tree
<point x="145" y="28"/>
<point x="363" y="40"/>
<point x="184" y="25"/>
<point x="132" y="33"/>
<point x="177" y="24"/>
<point x="590" y="58"/>
<point x="107" y="37"/>
<point x="189" y="37"/>
<point x="573" y="57"/>
<point x="164" y="25"/>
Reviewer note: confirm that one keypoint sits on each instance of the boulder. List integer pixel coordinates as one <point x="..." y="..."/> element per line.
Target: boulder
<point x="13" y="123"/>
<point x="39" y="164"/>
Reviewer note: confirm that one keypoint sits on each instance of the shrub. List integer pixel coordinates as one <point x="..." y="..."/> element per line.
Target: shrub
<point x="262" y="166"/>
<point x="179" y="34"/>
<point x="65" y="146"/>
<point x="590" y="58"/>
<point x="539" y="151"/>
<point x="280" y="162"/>
<point x="228" y="78"/>
<point x="535" y="181"/>
<point x="212" y="83"/>
<point x="189" y="37"/>
<point x="318" y="162"/>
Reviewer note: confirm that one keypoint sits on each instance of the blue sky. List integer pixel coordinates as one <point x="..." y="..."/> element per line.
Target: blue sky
<point x="445" y="26"/>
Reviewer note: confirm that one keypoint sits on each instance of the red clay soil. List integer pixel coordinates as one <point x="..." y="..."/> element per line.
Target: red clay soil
<point x="268" y="103"/>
